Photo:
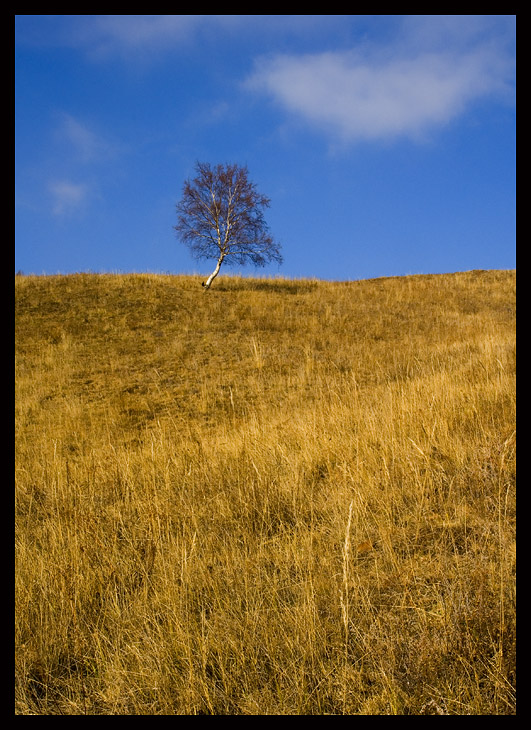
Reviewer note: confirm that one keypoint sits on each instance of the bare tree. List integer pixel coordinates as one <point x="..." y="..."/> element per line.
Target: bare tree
<point x="221" y="216"/>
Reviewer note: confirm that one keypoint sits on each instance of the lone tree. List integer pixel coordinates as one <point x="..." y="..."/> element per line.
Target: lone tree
<point x="221" y="216"/>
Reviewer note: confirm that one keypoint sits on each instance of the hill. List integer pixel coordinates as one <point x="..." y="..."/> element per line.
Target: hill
<point x="275" y="497"/>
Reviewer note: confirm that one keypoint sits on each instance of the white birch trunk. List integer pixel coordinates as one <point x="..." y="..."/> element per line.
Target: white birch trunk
<point x="213" y="275"/>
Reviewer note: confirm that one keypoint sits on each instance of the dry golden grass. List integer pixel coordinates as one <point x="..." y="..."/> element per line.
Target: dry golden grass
<point x="277" y="497"/>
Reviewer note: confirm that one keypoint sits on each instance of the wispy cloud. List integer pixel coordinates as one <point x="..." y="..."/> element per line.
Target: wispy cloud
<point x="135" y="39"/>
<point x="67" y="196"/>
<point x="405" y="88"/>
<point x="144" y="38"/>
<point x="147" y="35"/>
<point x="104" y="35"/>
<point x="79" y="157"/>
<point x="86" y="144"/>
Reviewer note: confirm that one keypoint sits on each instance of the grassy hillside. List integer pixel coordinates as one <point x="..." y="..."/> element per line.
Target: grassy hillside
<point x="277" y="497"/>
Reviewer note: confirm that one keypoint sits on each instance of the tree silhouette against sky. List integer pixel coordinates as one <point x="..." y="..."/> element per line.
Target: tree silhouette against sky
<point x="221" y="216"/>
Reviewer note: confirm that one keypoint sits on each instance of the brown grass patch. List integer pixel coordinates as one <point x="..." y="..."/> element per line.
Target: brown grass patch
<point x="277" y="497"/>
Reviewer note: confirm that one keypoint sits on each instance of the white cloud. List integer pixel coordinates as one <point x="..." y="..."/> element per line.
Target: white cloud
<point x="67" y="196"/>
<point x="402" y="89"/>
<point x="402" y="75"/>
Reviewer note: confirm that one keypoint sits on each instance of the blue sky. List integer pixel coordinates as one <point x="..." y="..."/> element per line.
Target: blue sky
<point x="385" y="143"/>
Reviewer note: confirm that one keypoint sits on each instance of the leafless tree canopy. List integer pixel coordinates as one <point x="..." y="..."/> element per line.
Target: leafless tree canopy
<point x="221" y="216"/>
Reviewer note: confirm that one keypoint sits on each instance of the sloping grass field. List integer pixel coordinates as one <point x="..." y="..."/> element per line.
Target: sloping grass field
<point x="275" y="497"/>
